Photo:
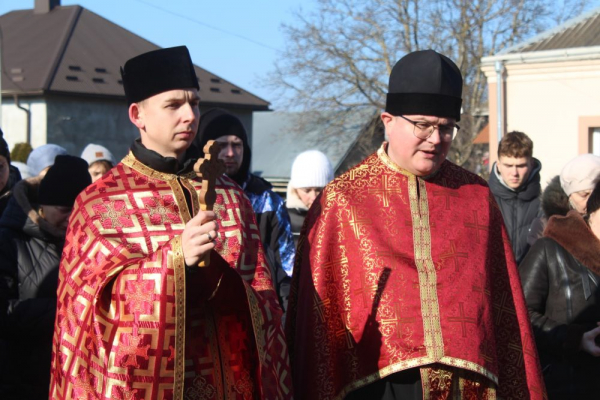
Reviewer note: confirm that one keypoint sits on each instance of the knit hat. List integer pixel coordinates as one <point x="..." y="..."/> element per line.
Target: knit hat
<point x="425" y="83"/>
<point x="218" y="122"/>
<point x="95" y="152"/>
<point x="64" y="181"/>
<point x="4" y="151"/>
<point x="158" y="71"/>
<point x="581" y="173"/>
<point x="42" y="157"/>
<point x="311" y="169"/>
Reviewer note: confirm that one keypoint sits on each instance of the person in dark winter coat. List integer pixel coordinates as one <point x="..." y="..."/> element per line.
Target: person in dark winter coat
<point x="31" y="242"/>
<point x="311" y="172"/>
<point x="560" y="277"/>
<point x="9" y="175"/>
<point x="567" y="191"/>
<point x="554" y="201"/>
<point x="271" y="215"/>
<point x="515" y="183"/>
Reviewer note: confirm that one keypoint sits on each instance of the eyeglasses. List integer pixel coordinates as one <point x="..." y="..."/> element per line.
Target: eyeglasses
<point x="423" y="130"/>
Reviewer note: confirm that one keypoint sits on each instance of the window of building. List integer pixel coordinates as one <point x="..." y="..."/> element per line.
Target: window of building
<point x="595" y="141"/>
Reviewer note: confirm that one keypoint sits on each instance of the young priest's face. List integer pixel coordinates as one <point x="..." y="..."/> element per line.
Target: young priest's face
<point x="420" y="157"/>
<point x="168" y="121"/>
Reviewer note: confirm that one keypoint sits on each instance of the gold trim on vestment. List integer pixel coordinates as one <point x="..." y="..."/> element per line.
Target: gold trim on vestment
<point x="257" y="322"/>
<point x="178" y="261"/>
<point x="179" y="270"/>
<point x="469" y="365"/>
<point x="414" y="363"/>
<point x="381" y="153"/>
<point x="434" y="340"/>
<point x="143" y="169"/>
<point x="193" y="194"/>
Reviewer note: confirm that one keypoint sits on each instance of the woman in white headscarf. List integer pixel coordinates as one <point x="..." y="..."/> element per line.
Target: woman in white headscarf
<point x="311" y="172"/>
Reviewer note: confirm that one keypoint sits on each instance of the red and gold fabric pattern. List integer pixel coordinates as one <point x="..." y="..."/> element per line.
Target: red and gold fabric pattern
<point x="130" y="324"/>
<point x="394" y="271"/>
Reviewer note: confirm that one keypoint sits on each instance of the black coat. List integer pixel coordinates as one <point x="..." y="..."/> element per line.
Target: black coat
<point x="30" y="251"/>
<point x="560" y="278"/>
<point x="14" y="176"/>
<point x="297" y="216"/>
<point x="554" y="202"/>
<point x="519" y="208"/>
<point x="273" y="224"/>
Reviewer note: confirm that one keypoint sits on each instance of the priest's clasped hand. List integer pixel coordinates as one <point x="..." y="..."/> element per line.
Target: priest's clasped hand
<point x="198" y="237"/>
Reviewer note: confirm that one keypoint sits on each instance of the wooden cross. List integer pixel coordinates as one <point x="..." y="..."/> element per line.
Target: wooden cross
<point x="209" y="169"/>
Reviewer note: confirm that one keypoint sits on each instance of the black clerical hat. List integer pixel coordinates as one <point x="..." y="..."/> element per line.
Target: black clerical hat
<point x="158" y="71"/>
<point x="425" y="83"/>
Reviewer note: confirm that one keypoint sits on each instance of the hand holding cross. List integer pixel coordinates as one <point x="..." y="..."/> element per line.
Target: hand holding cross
<point x="209" y="169"/>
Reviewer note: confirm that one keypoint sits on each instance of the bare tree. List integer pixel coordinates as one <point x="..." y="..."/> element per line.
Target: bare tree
<point x="339" y="56"/>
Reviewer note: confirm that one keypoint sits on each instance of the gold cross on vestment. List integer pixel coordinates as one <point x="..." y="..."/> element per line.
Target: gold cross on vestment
<point x="453" y="255"/>
<point x="365" y="289"/>
<point x="475" y="225"/>
<point x="356" y="221"/>
<point x="501" y="308"/>
<point x="394" y="256"/>
<point x="446" y="193"/>
<point x="334" y="259"/>
<point x="464" y="320"/>
<point x="320" y="305"/>
<point x="386" y="190"/>
<point x="397" y="322"/>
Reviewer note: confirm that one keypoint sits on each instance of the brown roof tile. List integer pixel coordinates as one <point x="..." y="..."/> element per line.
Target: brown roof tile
<point x="73" y="50"/>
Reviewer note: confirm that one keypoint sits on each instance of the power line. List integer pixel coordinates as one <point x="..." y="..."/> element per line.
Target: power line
<point x="207" y="25"/>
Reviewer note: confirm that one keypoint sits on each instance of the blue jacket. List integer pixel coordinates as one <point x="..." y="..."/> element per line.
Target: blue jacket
<point x="275" y="231"/>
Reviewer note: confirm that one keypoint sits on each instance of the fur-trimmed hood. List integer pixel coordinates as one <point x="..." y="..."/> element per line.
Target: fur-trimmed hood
<point x="22" y="211"/>
<point x="292" y="199"/>
<point x="554" y="199"/>
<point x="574" y="234"/>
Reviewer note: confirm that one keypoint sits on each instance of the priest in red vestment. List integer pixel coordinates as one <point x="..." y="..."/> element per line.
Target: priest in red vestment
<point x="137" y="318"/>
<point x="405" y="286"/>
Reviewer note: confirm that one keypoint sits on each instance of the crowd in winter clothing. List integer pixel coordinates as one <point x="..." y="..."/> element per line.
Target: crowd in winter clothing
<point x="555" y="239"/>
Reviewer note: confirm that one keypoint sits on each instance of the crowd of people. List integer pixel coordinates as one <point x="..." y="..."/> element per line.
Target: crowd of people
<point x="406" y="277"/>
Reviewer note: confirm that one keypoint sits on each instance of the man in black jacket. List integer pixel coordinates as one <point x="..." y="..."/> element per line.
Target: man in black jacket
<point x="9" y="175"/>
<point x="515" y="183"/>
<point x="271" y="213"/>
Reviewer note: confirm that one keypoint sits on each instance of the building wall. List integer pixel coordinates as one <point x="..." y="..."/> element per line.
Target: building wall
<point x="14" y="121"/>
<point x="547" y="101"/>
<point x="74" y="122"/>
